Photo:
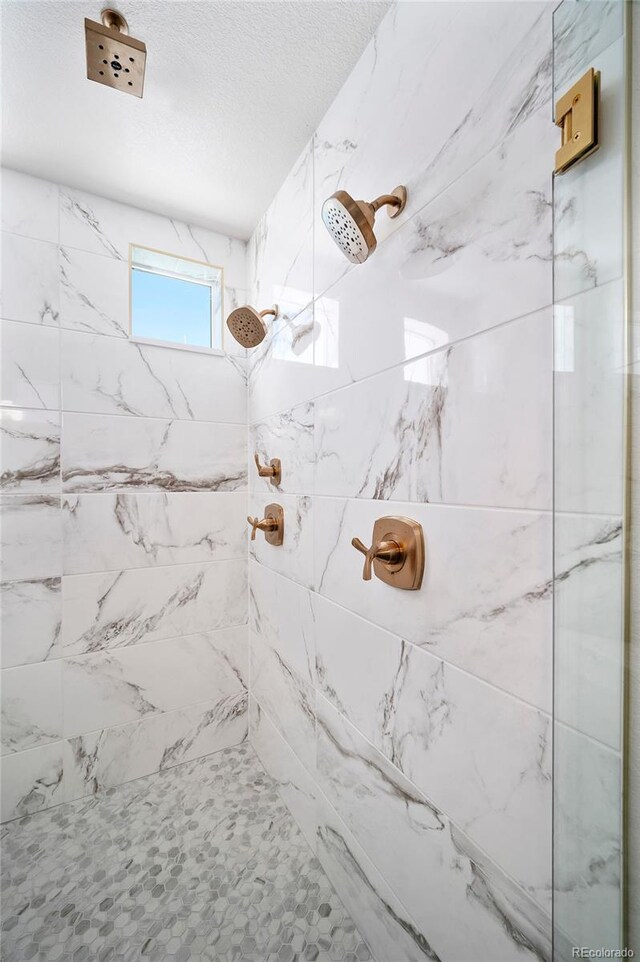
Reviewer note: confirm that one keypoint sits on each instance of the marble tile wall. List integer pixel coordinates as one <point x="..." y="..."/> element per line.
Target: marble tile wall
<point x="410" y="733"/>
<point x="123" y="493"/>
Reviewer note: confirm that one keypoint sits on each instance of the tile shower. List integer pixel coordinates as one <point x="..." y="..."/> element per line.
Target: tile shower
<point x="386" y="755"/>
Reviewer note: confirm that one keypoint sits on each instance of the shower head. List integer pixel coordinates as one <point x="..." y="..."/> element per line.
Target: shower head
<point x="113" y="57"/>
<point x="350" y="222"/>
<point x="247" y="326"/>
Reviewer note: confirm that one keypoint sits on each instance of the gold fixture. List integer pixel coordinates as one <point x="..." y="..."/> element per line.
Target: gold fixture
<point x="396" y="553"/>
<point x="113" y="57"/>
<point x="247" y="326"/>
<point x="272" y="524"/>
<point x="350" y="222"/>
<point x="577" y="114"/>
<point x="272" y="470"/>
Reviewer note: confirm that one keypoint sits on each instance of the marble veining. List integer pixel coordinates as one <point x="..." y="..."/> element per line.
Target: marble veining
<point x="106" y="689"/>
<point x="464" y="425"/>
<point x="589" y="205"/>
<point x="100" y="226"/>
<point x="116" y="376"/>
<point x="581" y="31"/>
<point x="119" y="608"/>
<point x="294" y="558"/>
<point x="30" y="537"/>
<point x="413" y="844"/>
<point x="140" y="529"/>
<point x="588" y="838"/>
<point x="94" y="293"/>
<point x="29" y="451"/>
<point x="29" y="281"/>
<point x="31" y="706"/>
<point x="31" y="619"/>
<point x="497" y="626"/>
<point x="491" y="100"/>
<point x="103" y="453"/>
<point x="445" y="731"/>
<point x="288" y="436"/>
<point x="30" y="366"/>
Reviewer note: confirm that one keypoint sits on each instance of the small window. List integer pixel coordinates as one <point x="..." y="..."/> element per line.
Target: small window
<point x="175" y="300"/>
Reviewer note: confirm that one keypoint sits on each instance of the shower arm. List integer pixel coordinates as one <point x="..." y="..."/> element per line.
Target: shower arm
<point x="383" y="200"/>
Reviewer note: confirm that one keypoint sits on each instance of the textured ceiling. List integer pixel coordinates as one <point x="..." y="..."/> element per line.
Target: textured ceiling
<point x="233" y="91"/>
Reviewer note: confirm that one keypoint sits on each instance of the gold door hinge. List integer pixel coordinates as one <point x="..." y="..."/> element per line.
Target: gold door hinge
<point x="577" y="114"/>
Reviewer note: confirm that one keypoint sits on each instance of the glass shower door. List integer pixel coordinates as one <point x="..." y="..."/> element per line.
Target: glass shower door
<point x="590" y="448"/>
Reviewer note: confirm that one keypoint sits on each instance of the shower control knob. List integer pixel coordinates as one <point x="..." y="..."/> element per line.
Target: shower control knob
<point x="396" y="555"/>
<point x="389" y="552"/>
<point x="272" y="470"/>
<point x="272" y="524"/>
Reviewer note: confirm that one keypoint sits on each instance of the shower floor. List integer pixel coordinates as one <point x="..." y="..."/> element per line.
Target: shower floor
<point x="200" y="862"/>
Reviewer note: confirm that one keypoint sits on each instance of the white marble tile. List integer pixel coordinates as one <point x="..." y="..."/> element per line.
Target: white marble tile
<point x="381" y="918"/>
<point x="33" y="780"/>
<point x="587" y="839"/>
<point x="281" y="615"/>
<point x="94" y="293"/>
<point x="102" y="453"/>
<point x="581" y="31"/>
<point x="280" y="252"/>
<point x="485" y="601"/>
<point x="281" y="371"/>
<point x="102" y="760"/>
<point x="30" y="537"/>
<point x="296" y="786"/>
<point x="29" y="451"/>
<point x="481" y="756"/>
<point x="284" y="696"/>
<point x="29" y="205"/>
<point x="118" y="376"/>
<point x="288" y="436"/>
<point x="476" y="256"/>
<point x="30" y="618"/>
<point x="29" y="280"/>
<point x="30" y="366"/>
<point x="112" y="688"/>
<point x="470" y="424"/>
<point x="31" y="706"/>
<point x="100" y="226"/>
<point x="369" y="140"/>
<point x="589" y="387"/>
<point x="102" y="532"/>
<point x="414" y="845"/>
<point x="588" y="625"/>
<point x="119" y="608"/>
<point x="589" y="200"/>
<point x="294" y="557"/>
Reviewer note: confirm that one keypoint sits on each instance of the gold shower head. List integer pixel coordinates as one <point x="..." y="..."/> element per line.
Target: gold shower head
<point x="350" y="222"/>
<point x="113" y="57"/>
<point x="247" y="326"/>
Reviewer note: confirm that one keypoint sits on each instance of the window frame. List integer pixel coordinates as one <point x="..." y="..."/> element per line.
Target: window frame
<point x="157" y="342"/>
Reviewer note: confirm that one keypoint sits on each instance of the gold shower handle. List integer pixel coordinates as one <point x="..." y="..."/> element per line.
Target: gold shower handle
<point x="272" y="470"/>
<point x="389" y="552"/>
<point x="272" y="525"/>
<point x="261" y="524"/>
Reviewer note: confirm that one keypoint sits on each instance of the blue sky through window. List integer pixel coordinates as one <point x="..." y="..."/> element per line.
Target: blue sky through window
<point x="170" y="309"/>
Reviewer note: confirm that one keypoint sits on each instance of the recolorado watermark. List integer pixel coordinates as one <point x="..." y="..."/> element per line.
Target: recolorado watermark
<point x="583" y="952"/>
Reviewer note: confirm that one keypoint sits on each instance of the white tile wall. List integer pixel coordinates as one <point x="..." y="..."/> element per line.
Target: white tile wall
<point x="415" y="749"/>
<point x="124" y="602"/>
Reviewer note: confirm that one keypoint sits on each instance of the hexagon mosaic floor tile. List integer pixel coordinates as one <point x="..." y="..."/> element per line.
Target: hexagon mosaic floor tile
<point x="201" y="862"/>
